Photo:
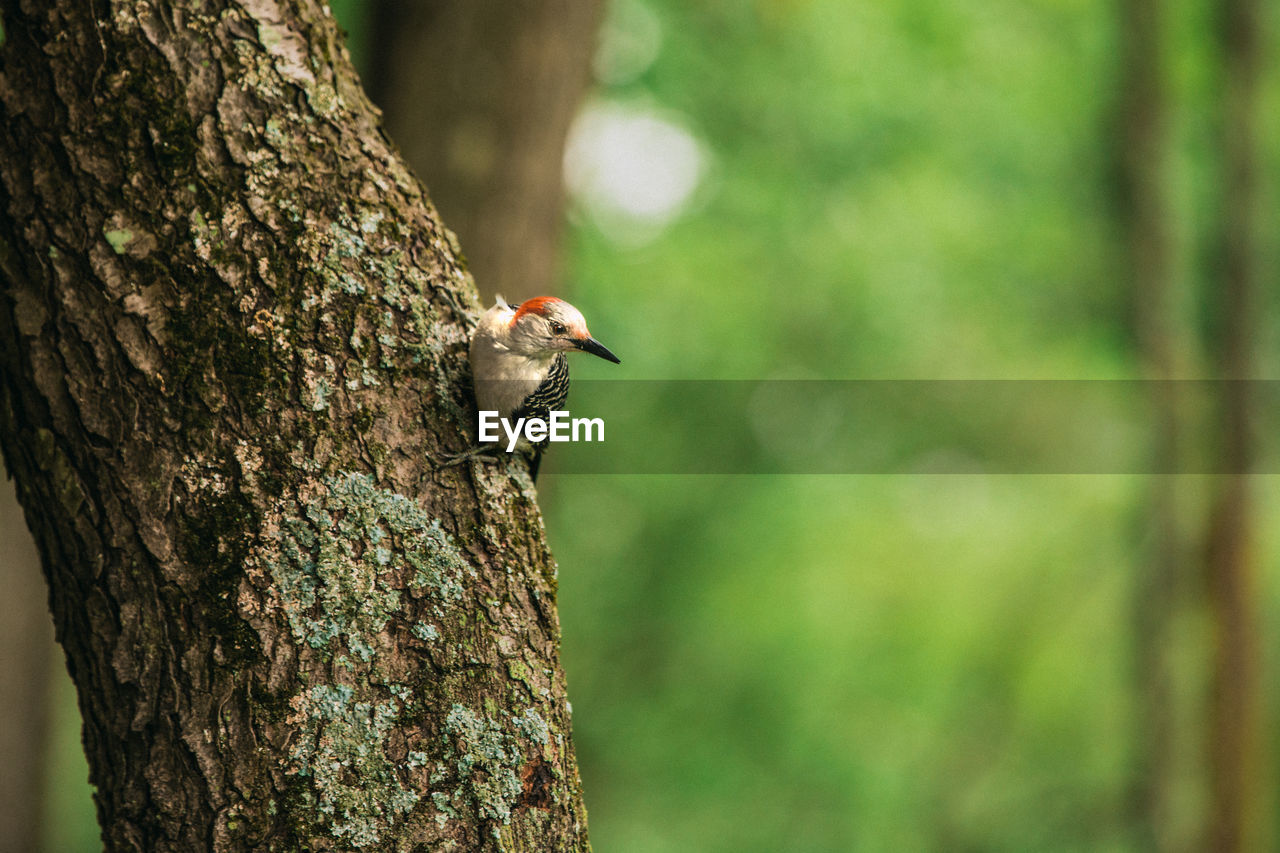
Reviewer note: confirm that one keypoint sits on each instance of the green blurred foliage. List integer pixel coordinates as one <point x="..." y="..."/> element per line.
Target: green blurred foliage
<point x="841" y="663"/>
<point x="895" y="190"/>
<point x="70" y="822"/>
<point x="899" y="190"/>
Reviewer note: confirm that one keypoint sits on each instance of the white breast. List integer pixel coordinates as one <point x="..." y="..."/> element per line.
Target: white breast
<point x="503" y="378"/>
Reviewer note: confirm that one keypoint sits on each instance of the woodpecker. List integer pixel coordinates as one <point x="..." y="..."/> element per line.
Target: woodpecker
<point x="518" y="359"/>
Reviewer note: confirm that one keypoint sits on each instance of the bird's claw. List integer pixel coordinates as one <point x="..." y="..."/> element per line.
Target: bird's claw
<point x="448" y="460"/>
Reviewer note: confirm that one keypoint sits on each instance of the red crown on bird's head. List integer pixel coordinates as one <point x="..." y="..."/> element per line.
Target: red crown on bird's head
<point x="537" y="305"/>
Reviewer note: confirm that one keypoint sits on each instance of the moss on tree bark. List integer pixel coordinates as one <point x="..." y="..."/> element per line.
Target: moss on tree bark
<point x="233" y="329"/>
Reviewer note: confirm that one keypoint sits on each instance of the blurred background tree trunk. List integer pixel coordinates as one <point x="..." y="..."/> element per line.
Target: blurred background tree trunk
<point x="479" y="97"/>
<point x="26" y="655"/>
<point x="1236" y="714"/>
<point x="1162" y="354"/>
<point x="232" y="331"/>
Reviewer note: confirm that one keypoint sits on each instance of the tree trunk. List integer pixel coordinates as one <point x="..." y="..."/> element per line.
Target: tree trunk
<point x="26" y="658"/>
<point x="1235" y="719"/>
<point x="232" y="331"/>
<point x="479" y="95"/>
<point x="1161" y="574"/>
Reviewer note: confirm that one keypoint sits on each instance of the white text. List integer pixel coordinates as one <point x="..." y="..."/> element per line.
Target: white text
<point x="557" y="427"/>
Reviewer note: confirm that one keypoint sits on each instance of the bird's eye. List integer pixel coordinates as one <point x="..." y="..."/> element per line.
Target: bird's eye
<point x="557" y="328"/>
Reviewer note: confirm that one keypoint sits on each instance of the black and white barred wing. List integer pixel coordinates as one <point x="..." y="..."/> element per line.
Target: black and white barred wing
<point x="550" y="395"/>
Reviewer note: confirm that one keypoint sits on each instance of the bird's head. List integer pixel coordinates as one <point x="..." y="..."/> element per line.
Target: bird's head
<point x="547" y="325"/>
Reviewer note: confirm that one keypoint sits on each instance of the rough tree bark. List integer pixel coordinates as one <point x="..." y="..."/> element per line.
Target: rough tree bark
<point x="479" y="95"/>
<point x="232" y="329"/>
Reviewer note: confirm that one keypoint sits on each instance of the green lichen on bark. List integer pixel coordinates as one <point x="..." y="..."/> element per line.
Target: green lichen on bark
<point x="118" y="238"/>
<point x="356" y="792"/>
<point x="486" y="758"/>
<point x="333" y="557"/>
<point x="338" y="557"/>
<point x="487" y="763"/>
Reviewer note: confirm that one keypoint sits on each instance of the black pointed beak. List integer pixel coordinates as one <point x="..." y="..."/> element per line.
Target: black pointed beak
<point x="594" y="347"/>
